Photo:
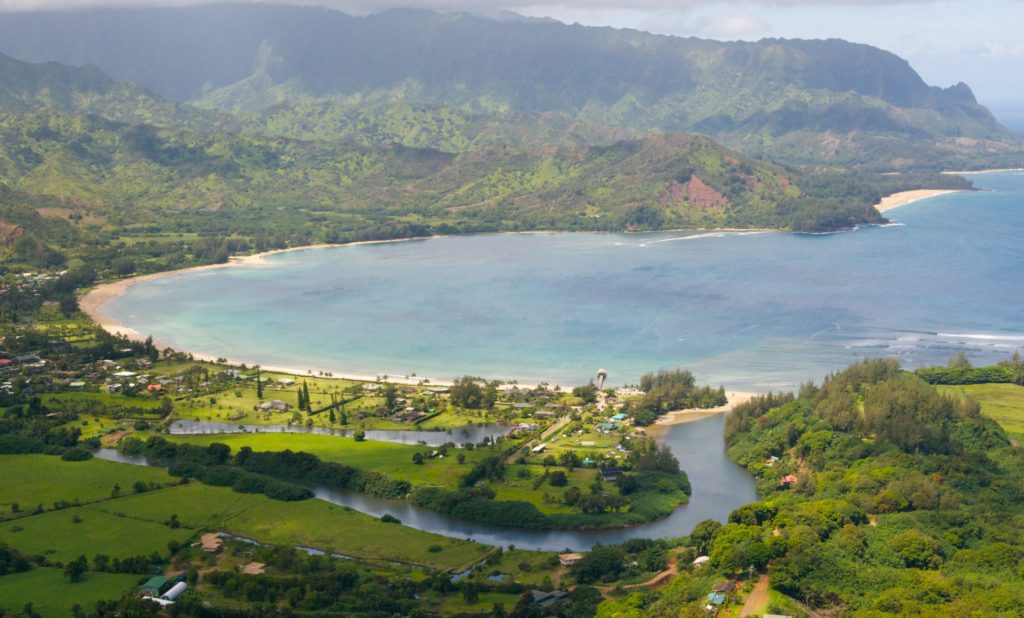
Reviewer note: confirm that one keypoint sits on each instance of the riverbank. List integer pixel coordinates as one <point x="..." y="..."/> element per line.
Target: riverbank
<point x="903" y="198"/>
<point x="678" y="417"/>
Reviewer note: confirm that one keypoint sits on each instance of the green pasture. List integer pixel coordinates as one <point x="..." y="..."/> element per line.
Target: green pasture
<point x="31" y="480"/>
<point x="1003" y="403"/>
<point x="52" y="595"/>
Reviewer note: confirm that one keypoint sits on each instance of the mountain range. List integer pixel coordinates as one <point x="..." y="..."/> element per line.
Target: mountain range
<point x="280" y="126"/>
<point x="455" y="81"/>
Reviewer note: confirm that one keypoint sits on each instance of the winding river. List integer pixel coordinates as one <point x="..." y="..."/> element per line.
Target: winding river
<point x="719" y="486"/>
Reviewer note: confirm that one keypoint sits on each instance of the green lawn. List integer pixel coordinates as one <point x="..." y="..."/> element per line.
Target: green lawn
<point x="57" y="537"/>
<point x="1003" y="403"/>
<point x="30" y="480"/>
<point x="51" y="594"/>
<point x="392" y="459"/>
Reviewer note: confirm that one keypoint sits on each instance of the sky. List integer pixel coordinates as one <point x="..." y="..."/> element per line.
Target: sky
<point x="947" y="41"/>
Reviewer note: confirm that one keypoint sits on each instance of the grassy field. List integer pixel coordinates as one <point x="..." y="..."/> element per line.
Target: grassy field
<point x="51" y="594"/>
<point x="455" y="604"/>
<point x="30" y="480"/>
<point x="56" y="535"/>
<point x="1003" y="403"/>
<point x="333" y="528"/>
<point x="102" y="399"/>
<point x="392" y="459"/>
<point x="131" y="525"/>
<point x="516" y="488"/>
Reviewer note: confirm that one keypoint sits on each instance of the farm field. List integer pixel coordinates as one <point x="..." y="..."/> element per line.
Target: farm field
<point x="52" y="596"/>
<point x="31" y="480"/>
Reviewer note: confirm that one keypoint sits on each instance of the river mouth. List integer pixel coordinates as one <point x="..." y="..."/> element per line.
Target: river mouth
<point x="719" y="487"/>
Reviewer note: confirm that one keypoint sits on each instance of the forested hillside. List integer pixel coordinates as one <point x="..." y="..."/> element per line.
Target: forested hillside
<point x="309" y="72"/>
<point x="139" y="177"/>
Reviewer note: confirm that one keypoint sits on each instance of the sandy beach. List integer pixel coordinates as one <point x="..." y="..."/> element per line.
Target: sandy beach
<point x="677" y="417"/>
<point x="969" y="172"/>
<point x="906" y="197"/>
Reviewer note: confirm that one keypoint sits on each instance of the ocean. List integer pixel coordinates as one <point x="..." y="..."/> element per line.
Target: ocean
<point x="749" y="310"/>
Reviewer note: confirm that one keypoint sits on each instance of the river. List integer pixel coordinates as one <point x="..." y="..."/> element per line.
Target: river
<point x="719" y="486"/>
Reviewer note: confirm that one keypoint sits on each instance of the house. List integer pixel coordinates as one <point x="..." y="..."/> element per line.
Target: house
<point x="569" y="559"/>
<point x="285" y="381"/>
<point x="154" y="585"/>
<point x="76" y="384"/>
<point x="588" y="443"/>
<point x="619" y="417"/>
<point x="701" y="561"/>
<point x="788" y="480"/>
<point x="545" y="414"/>
<point x="715" y="600"/>
<point x="610" y="474"/>
<point x="254" y="568"/>
<point x="276" y="405"/>
<point x="539" y="448"/>
<point x="155" y="388"/>
<point x="211" y="542"/>
<point x="606" y="427"/>
<point x="539" y="598"/>
<point x="724" y="587"/>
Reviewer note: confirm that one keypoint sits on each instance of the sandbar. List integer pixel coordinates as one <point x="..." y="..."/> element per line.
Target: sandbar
<point x="906" y="197"/>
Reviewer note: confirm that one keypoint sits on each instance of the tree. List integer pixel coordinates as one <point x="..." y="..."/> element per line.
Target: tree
<point x="558" y="479"/>
<point x="259" y="383"/>
<point x="305" y="396"/>
<point x="470" y="592"/>
<point x="74" y="569"/>
<point x="586" y="392"/>
<point x="702" y="535"/>
<point x="417" y="459"/>
<point x="332" y="417"/>
<point x="360" y="435"/>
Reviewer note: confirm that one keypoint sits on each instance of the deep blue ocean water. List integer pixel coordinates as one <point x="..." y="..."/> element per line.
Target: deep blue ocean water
<point x="748" y="310"/>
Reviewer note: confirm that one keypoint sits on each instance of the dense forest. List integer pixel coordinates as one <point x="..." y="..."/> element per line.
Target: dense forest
<point x="880" y="497"/>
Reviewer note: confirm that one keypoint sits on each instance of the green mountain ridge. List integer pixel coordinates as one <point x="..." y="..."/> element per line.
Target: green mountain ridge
<point x="144" y="176"/>
<point x="808" y="102"/>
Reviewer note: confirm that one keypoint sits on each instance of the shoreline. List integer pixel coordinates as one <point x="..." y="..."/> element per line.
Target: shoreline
<point x="689" y="415"/>
<point x="902" y="198"/>
<point x="93" y="301"/>
<point x="992" y="171"/>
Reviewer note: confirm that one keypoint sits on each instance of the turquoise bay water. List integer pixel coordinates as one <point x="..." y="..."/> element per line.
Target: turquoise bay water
<point x="757" y="311"/>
